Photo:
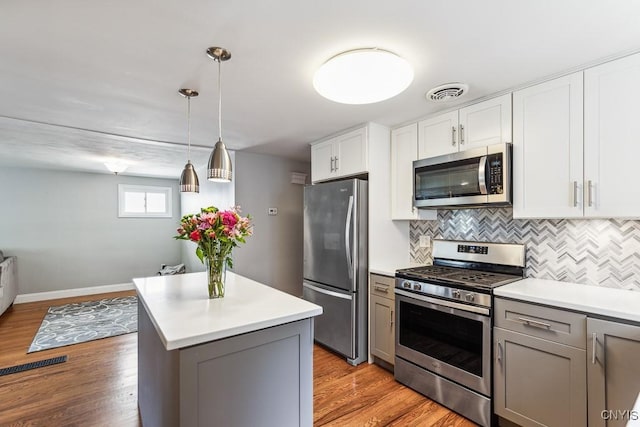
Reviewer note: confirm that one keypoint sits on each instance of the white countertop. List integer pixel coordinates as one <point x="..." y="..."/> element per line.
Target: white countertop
<point x="616" y="303"/>
<point x="383" y="271"/>
<point x="183" y="315"/>
<point x="391" y="271"/>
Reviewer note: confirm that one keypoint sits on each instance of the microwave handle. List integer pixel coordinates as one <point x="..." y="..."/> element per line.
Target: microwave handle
<point x="482" y="175"/>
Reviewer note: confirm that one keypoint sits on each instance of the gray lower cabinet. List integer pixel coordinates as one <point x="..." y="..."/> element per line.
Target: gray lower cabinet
<point x="539" y="380"/>
<point x="613" y="371"/>
<point x="262" y="378"/>
<point x="381" y="311"/>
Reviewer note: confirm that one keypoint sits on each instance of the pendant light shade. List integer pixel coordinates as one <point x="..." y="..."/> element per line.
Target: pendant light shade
<point x="189" y="182"/>
<point x="220" y="168"/>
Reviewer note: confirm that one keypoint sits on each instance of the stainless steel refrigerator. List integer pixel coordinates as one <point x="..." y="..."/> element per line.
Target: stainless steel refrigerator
<point x="335" y="264"/>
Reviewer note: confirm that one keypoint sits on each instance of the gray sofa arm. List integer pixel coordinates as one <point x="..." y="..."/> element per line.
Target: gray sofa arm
<point x="8" y="282"/>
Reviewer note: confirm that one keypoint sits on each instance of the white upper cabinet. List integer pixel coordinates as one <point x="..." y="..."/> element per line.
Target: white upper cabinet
<point x="565" y="167"/>
<point x="322" y="161"/>
<point x="485" y="123"/>
<point x="404" y="150"/>
<point x="341" y="156"/>
<point x="547" y="149"/>
<point x="438" y="135"/>
<point x="611" y="139"/>
<point x="478" y="125"/>
<point x="352" y="153"/>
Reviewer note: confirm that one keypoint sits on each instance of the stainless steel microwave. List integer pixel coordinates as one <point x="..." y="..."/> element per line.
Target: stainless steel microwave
<point x="471" y="178"/>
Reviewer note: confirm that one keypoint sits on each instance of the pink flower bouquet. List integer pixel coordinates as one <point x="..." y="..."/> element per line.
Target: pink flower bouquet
<point x="216" y="233"/>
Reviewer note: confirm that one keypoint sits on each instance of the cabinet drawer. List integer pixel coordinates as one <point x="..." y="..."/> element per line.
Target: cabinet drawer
<point x="559" y="326"/>
<point x="382" y="286"/>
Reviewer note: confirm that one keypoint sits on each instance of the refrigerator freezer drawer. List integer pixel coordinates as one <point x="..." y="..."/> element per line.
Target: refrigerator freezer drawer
<point x="335" y="327"/>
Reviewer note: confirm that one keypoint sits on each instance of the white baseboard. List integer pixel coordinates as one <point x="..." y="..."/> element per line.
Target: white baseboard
<point x="66" y="293"/>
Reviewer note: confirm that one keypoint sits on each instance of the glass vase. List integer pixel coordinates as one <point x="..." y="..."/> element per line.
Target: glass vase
<point x="216" y="274"/>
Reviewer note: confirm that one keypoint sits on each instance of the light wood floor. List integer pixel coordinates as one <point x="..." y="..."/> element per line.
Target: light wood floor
<point x="97" y="386"/>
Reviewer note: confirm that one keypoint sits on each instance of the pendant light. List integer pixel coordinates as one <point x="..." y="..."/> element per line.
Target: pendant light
<point x="219" y="168"/>
<point x="189" y="179"/>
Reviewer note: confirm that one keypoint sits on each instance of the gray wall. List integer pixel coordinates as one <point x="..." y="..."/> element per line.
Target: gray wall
<point x="273" y="255"/>
<point x="64" y="229"/>
<point x="218" y="194"/>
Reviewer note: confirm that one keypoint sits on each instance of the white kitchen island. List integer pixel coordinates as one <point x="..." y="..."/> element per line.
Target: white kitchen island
<point x="242" y="360"/>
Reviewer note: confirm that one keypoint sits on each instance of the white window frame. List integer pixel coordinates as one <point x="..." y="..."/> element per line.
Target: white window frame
<point x="124" y="188"/>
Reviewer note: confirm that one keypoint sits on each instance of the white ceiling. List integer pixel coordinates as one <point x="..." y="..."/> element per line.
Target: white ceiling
<point x="84" y="81"/>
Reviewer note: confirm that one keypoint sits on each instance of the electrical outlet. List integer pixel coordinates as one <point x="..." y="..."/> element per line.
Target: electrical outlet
<point x="425" y="241"/>
<point x="272" y="211"/>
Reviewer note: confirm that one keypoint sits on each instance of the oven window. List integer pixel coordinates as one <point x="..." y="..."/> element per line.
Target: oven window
<point x="454" y="179"/>
<point x="449" y="338"/>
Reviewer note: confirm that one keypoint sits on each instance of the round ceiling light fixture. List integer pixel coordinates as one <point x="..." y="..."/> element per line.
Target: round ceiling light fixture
<point x="363" y="76"/>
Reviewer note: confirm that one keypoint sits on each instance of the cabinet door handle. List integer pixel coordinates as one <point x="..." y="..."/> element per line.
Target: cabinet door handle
<point x="461" y="134"/>
<point x="534" y="323"/>
<point x="575" y="193"/>
<point x="381" y="289"/>
<point x="332" y="164"/>
<point x="453" y="135"/>
<point x="594" y="342"/>
<point x="589" y="193"/>
<point x="499" y="356"/>
<point x="391" y="318"/>
<point x="337" y="166"/>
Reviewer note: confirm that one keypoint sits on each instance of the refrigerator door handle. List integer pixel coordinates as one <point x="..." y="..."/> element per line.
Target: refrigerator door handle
<point x="347" y="237"/>
<point x="327" y="292"/>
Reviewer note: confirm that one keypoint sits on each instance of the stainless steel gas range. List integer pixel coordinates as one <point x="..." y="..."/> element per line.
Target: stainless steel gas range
<point x="444" y="323"/>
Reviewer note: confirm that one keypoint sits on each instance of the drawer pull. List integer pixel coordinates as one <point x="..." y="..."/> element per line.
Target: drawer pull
<point x="381" y="289"/>
<point x="534" y="323"/>
<point x="593" y="349"/>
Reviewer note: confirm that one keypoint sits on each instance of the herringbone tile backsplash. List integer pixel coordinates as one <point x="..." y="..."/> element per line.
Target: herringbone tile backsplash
<point x="601" y="252"/>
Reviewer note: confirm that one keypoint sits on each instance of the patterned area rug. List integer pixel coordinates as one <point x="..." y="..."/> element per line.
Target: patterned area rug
<point x="86" y="321"/>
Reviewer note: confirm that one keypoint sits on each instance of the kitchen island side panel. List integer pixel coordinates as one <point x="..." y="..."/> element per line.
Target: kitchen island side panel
<point x="158" y="376"/>
<point x="261" y="378"/>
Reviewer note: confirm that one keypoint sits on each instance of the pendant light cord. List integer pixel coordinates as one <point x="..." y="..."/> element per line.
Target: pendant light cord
<point x="219" y="101"/>
<point x="189" y="128"/>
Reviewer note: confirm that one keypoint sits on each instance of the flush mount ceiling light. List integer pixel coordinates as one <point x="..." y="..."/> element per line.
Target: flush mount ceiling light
<point x="220" y="168"/>
<point x="115" y="167"/>
<point x="189" y="182"/>
<point x="363" y="76"/>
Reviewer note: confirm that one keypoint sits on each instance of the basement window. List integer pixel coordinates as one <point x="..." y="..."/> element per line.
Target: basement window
<point x="144" y="201"/>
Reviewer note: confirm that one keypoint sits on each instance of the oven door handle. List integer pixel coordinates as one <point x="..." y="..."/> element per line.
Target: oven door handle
<point x="445" y="303"/>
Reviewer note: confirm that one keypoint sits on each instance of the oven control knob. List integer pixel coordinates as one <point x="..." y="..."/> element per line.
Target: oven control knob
<point x="470" y="297"/>
<point x="416" y="286"/>
<point x="406" y="284"/>
<point x="455" y="294"/>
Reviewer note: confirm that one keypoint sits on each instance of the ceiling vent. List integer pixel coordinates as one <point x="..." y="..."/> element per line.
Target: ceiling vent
<point x="447" y="92"/>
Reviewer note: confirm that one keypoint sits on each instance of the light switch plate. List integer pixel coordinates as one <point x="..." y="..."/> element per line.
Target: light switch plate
<point x="272" y="211"/>
<point x="425" y="241"/>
